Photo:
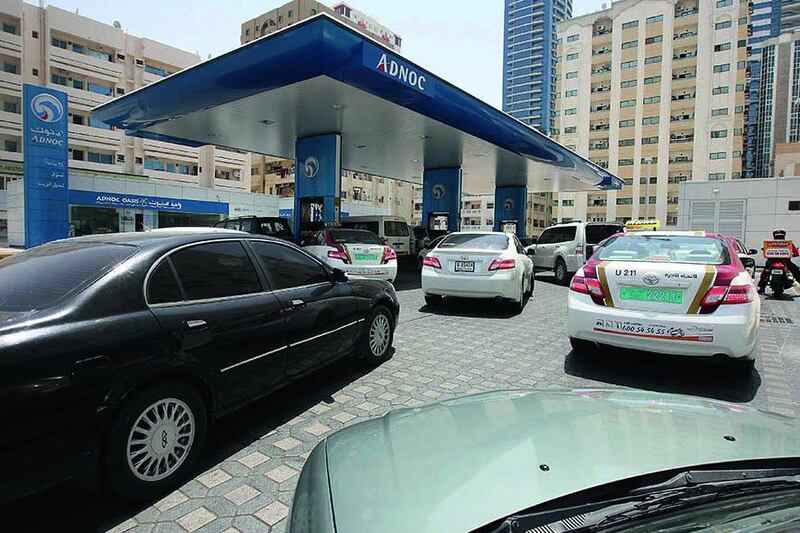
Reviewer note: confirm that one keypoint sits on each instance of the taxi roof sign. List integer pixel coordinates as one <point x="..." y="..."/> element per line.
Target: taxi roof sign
<point x="642" y="225"/>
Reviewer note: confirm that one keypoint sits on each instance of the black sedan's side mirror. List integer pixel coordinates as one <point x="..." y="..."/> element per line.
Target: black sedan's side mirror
<point x="752" y="251"/>
<point x="338" y="276"/>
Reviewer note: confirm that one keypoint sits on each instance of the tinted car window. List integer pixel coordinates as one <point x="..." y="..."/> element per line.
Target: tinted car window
<point x="597" y="233"/>
<point x="215" y="270"/>
<point x="42" y="276"/>
<point x="546" y="237"/>
<point x="475" y="241"/>
<point x="565" y="234"/>
<point x="354" y="236"/>
<point x="393" y="228"/>
<point x="369" y="226"/>
<point x="233" y="224"/>
<point x="248" y="225"/>
<point x="163" y="287"/>
<point x="287" y="267"/>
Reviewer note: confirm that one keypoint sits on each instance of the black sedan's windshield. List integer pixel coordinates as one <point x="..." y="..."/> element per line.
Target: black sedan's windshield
<point x="42" y="276"/>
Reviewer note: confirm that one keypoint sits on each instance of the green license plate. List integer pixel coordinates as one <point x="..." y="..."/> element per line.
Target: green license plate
<point x="641" y="294"/>
<point x="366" y="257"/>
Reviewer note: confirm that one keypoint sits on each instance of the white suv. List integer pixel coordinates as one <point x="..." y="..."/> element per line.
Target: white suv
<point x="564" y="248"/>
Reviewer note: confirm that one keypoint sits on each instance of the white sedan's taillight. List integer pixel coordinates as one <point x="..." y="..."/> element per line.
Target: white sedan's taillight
<point x="720" y="295"/>
<point x="433" y="262"/>
<point x="502" y="264"/>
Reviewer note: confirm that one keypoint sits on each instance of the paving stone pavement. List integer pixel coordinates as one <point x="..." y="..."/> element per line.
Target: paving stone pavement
<point x="253" y="457"/>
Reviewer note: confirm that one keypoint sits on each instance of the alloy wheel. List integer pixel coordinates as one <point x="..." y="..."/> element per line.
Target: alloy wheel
<point x="379" y="333"/>
<point x="160" y="439"/>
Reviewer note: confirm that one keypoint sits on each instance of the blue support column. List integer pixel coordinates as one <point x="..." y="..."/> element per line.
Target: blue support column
<point x="441" y="193"/>
<point x="510" y="205"/>
<point x="318" y="174"/>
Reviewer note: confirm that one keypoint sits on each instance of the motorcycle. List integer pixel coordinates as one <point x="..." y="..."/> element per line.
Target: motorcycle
<point x="780" y="279"/>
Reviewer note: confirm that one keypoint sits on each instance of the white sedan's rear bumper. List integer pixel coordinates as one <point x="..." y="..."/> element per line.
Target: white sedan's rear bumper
<point x="387" y="272"/>
<point x="502" y="284"/>
<point x="731" y="330"/>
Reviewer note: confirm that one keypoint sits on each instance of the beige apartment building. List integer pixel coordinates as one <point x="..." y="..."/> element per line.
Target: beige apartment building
<point x="93" y="63"/>
<point x="653" y="90"/>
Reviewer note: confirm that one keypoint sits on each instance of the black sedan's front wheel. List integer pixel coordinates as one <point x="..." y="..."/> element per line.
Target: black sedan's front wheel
<point x="377" y="336"/>
<point x="156" y="440"/>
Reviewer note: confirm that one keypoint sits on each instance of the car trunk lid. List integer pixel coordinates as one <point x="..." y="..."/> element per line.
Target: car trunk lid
<point x="365" y="254"/>
<point x="655" y="287"/>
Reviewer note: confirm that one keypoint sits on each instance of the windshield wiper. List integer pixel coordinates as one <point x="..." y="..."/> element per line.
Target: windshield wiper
<point x="687" y="489"/>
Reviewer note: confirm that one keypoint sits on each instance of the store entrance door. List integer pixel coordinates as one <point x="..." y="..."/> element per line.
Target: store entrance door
<point x="139" y="221"/>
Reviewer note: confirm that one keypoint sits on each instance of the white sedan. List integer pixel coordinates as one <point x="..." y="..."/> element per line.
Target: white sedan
<point x="683" y="293"/>
<point x="478" y="265"/>
<point x="359" y="253"/>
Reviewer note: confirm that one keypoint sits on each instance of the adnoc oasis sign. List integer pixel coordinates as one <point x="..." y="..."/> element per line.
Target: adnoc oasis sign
<point x="46" y="181"/>
<point x="399" y="70"/>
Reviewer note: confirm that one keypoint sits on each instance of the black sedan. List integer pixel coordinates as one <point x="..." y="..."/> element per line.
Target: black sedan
<point x="116" y="351"/>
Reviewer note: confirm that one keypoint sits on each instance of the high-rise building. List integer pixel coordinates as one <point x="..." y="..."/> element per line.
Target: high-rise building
<point x="93" y="63"/>
<point x="297" y="10"/>
<point x="655" y="92"/>
<point x="777" y="136"/>
<point x="529" y="59"/>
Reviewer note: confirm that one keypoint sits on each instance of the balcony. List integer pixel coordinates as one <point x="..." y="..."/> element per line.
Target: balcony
<point x="86" y="65"/>
<point x="685" y="34"/>
<point x="601" y="89"/>
<point x="676" y="138"/>
<point x="684" y="75"/>
<point x="688" y="54"/>
<point x="603" y="69"/>
<point x="682" y="13"/>
<point x="601" y="32"/>
<point x="682" y="117"/>
<point x="171" y="176"/>
<point x="598" y="127"/>
<point x="10" y="123"/>
<point x="107" y="140"/>
<point x="604" y="50"/>
<point x="683" y="96"/>
<point x="96" y="167"/>
<point x="10" y="82"/>
<point x="81" y="97"/>
<point x="11" y="44"/>
<point x="471" y="212"/>
<point x="229" y="184"/>
<point x="598" y="146"/>
<point x="605" y="106"/>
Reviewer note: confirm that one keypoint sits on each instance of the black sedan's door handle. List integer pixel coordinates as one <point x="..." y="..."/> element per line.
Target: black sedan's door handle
<point x="196" y="324"/>
<point x="297" y="304"/>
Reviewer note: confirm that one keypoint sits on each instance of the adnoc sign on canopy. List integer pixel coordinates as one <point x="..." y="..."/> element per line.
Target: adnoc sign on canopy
<point x="401" y="71"/>
<point x="46" y="181"/>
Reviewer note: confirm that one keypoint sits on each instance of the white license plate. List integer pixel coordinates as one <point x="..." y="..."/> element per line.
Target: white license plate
<point x="777" y="271"/>
<point x="464" y="266"/>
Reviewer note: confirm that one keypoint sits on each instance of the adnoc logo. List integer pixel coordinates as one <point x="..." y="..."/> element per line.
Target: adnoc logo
<point x="438" y="191"/>
<point x="401" y="72"/>
<point x="508" y="204"/>
<point x="311" y="166"/>
<point x="47" y="107"/>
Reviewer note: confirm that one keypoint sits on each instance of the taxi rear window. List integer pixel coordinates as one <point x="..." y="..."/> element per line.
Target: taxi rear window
<point x="665" y="249"/>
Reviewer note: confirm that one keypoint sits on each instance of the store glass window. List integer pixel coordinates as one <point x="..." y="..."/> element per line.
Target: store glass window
<point x="93" y="220"/>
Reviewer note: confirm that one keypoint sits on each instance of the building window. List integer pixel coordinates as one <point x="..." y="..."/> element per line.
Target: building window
<point x="58" y="79"/>
<point x="571" y="75"/>
<point x="570" y="129"/>
<point x="738" y="109"/>
<point x="740" y="87"/>
<point x="630" y="24"/>
<point x="629" y="123"/>
<point x="571" y="111"/>
<point x="650" y="140"/>
<point x="722" y="25"/>
<point x="719" y="134"/>
<point x="719" y="112"/>
<point x="629" y="64"/>
<point x="627" y="142"/>
<point x="624" y="201"/>
<point x="717" y="155"/>
<point x="10" y="107"/>
<point x="571" y="57"/>
<point x="720" y="90"/>
<point x="9" y="28"/>
<point x="722" y="68"/>
<point x="10" y="146"/>
<point x="11" y="68"/>
<point x="630" y="44"/>
<point x="716" y="176"/>
<point x="156" y="71"/>
<point x="567" y="203"/>
<point x="627" y="83"/>
<point x="654" y="19"/>
<point x="722" y="47"/>
<point x="652" y="59"/>
<point x="794" y="205"/>
<point x="35" y="34"/>
<point x="651" y="100"/>
<point x="99" y="89"/>
<point x="59" y="43"/>
<point x="573" y="92"/>
<point x="724" y="3"/>
<point x="627" y="103"/>
<point x="96" y="157"/>
<point x="742" y="21"/>
<point x="652" y="79"/>
<point x="650" y="120"/>
<point x="573" y="38"/>
<point x="77" y="84"/>
<point x="625" y="162"/>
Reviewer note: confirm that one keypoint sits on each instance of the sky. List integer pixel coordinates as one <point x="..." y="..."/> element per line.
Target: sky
<point x="458" y="40"/>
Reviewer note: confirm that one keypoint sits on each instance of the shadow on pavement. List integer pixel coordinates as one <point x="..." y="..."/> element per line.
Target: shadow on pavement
<point x="408" y="277"/>
<point x="72" y="508"/>
<point x="472" y="307"/>
<point x="661" y="373"/>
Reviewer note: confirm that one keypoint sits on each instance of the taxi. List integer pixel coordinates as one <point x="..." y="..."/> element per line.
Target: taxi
<point x="683" y="293"/>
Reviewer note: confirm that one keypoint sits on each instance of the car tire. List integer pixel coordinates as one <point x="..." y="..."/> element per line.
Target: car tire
<point x="181" y="426"/>
<point x="377" y="337"/>
<point x="560" y="271"/>
<point x="432" y="300"/>
<point x="529" y="292"/>
<point x="582" y="345"/>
